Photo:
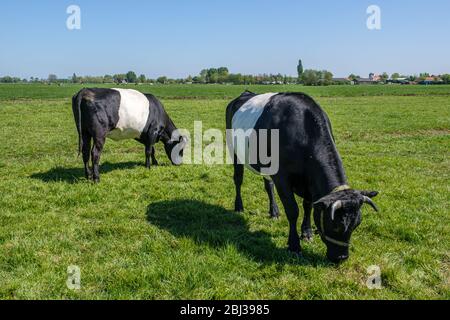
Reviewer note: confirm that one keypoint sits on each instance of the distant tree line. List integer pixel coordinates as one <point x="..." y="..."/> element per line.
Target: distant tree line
<point x="222" y="75"/>
<point x="206" y="76"/>
<point x="316" y="78"/>
<point x="444" y="78"/>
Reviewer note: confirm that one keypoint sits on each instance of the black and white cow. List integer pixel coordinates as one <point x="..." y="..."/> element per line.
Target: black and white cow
<point x="123" y="114"/>
<point x="309" y="166"/>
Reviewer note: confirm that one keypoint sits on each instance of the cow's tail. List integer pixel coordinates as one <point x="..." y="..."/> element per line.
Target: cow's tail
<point x="76" y="108"/>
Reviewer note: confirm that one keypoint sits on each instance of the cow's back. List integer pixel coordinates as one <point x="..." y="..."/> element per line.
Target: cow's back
<point x="298" y="117"/>
<point x="301" y="124"/>
<point x="247" y="115"/>
<point x="133" y="115"/>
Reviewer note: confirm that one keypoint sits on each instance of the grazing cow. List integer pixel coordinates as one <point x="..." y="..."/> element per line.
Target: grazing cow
<point x="123" y="114"/>
<point x="309" y="166"/>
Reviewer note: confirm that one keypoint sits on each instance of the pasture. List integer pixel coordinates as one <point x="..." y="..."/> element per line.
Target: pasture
<point x="170" y="232"/>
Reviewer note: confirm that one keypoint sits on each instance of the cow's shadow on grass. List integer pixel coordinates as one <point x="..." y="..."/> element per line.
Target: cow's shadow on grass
<point x="217" y="227"/>
<point x="75" y="175"/>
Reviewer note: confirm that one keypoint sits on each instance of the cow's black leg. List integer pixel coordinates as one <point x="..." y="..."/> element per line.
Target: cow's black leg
<point x="291" y="208"/>
<point x="154" y="161"/>
<point x="149" y="142"/>
<point x="307" y="233"/>
<point x="148" y="152"/>
<point x="274" y="212"/>
<point x="86" y="155"/>
<point x="238" y="179"/>
<point x="96" y="153"/>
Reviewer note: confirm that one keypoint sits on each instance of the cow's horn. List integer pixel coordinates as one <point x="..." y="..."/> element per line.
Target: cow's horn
<point x="337" y="205"/>
<point x="371" y="203"/>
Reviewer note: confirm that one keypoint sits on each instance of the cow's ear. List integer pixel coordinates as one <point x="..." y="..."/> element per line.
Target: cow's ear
<point x="370" y="194"/>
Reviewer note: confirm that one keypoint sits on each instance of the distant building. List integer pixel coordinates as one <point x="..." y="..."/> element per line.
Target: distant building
<point x="399" y="81"/>
<point x="377" y="77"/>
<point x="342" y="81"/>
<point x="372" y="79"/>
<point x="431" y="80"/>
<point x="365" y="81"/>
<point x="434" y="78"/>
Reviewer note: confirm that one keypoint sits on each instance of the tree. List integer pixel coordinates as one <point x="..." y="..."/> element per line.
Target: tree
<point x="235" y="78"/>
<point x="223" y="71"/>
<point x="395" y="76"/>
<point x="327" y="77"/>
<point x="384" y="76"/>
<point x="6" y="79"/>
<point x="52" y="78"/>
<point x="300" y="69"/>
<point x="131" y="77"/>
<point x="212" y="75"/>
<point x="353" y="77"/>
<point x="446" y="78"/>
<point x="162" y="80"/>
<point x="310" y="77"/>
<point x="74" y="78"/>
<point x="223" y="74"/>
<point x="142" y="78"/>
<point x="202" y="78"/>
<point x="108" y="78"/>
<point x="316" y="77"/>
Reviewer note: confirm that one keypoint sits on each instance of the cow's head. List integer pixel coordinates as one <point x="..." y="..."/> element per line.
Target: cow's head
<point x="336" y="216"/>
<point x="174" y="148"/>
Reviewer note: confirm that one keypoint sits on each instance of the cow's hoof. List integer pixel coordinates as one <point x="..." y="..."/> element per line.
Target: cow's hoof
<point x="274" y="214"/>
<point x="96" y="180"/>
<point x="307" y="235"/>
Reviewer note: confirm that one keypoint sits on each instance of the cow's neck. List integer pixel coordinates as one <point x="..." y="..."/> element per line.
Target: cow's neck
<point x="328" y="173"/>
<point x="167" y="133"/>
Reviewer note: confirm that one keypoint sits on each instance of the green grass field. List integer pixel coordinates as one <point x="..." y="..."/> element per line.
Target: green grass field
<point x="211" y="91"/>
<point x="170" y="232"/>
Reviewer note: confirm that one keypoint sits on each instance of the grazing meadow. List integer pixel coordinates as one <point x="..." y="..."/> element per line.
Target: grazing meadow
<point x="171" y="233"/>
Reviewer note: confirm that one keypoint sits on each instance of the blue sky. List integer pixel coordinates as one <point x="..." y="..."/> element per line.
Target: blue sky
<point x="180" y="37"/>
